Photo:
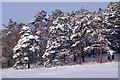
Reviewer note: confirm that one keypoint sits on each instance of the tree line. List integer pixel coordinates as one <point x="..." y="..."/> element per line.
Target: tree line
<point x="62" y="38"/>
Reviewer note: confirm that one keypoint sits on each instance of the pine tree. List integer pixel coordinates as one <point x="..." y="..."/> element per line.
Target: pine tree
<point x="27" y="50"/>
<point x="11" y="26"/>
<point x="40" y="27"/>
<point x="79" y="34"/>
<point x="10" y="36"/>
<point x="63" y="38"/>
<point x="57" y="13"/>
<point x="58" y="46"/>
<point x="113" y="30"/>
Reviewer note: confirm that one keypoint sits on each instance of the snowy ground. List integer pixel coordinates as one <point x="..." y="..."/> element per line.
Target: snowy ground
<point x="103" y="70"/>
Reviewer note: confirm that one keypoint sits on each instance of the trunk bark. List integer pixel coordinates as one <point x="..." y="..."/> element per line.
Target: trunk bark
<point x="93" y="53"/>
<point x="109" y="58"/>
<point x="100" y="52"/>
<point x="97" y="55"/>
<point x="112" y="57"/>
<point x="74" y="58"/>
<point x="64" y="59"/>
<point x="80" y="51"/>
<point x="28" y="61"/>
<point x="83" y="57"/>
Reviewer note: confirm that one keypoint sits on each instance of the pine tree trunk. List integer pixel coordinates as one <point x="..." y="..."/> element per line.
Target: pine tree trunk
<point x="93" y="53"/>
<point x="80" y="51"/>
<point x="96" y="50"/>
<point x="83" y="57"/>
<point x="28" y="59"/>
<point x="74" y="58"/>
<point x="112" y="57"/>
<point x="100" y="52"/>
<point x="64" y="59"/>
<point x="109" y="58"/>
<point x="28" y="62"/>
<point x="8" y="63"/>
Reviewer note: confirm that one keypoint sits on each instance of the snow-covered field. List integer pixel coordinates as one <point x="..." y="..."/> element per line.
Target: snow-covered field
<point x="103" y="70"/>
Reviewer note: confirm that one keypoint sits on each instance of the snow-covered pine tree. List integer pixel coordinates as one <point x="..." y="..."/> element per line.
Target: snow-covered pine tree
<point x="65" y="49"/>
<point x="40" y="27"/>
<point x="76" y="38"/>
<point x="58" y="46"/>
<point x="55" y="14"/>
<point x="113" y="30"/>
<point x="41" y="24"/>
<point x="103" y="33"/>
<point x="11" y="27"/>
<point x="10" y="36"/>
<point x="98" y="39"/>
<point x="79" y="34"/>
<point x="27" y="50"/>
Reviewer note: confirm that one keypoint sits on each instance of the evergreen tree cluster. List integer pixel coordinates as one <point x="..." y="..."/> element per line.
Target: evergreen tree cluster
<point x="64" y="38"/>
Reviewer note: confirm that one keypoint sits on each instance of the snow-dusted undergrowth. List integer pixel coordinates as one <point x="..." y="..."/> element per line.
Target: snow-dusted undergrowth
<point x="97" y="70"/>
